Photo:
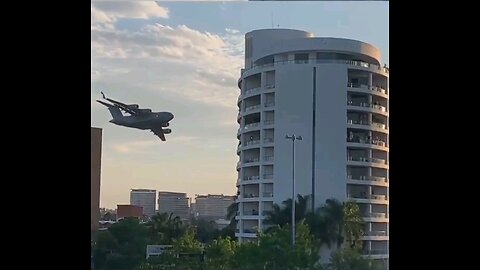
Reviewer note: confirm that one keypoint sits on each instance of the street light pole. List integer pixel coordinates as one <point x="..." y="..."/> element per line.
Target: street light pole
<point x="293" y="138"/>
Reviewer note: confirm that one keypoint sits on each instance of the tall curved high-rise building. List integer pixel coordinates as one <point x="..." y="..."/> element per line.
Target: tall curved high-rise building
<point x="332" y="92"/>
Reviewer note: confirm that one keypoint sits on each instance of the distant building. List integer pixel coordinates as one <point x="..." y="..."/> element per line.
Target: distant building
<point x="173" y="202"/>
<point x="95" y="168"/>
<point x="212" y="207"/>
<point x="125" y="210"/>
<point x="145" y="198"/>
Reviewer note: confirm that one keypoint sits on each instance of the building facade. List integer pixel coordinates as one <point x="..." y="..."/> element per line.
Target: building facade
<point x="334" y="93"/>
<point x="212" y="207"/>
<point x="174" y="202"/>
<point x="126" y="210"/>
<point x="95" y="167"/>
<point x="146" y="198"/>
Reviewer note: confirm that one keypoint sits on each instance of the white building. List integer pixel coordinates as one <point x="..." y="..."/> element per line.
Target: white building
<point x="174" y="202"/>
<point x="212" y="206"/>
<point x="334" y="93"/>
<point x="145" y="198"/>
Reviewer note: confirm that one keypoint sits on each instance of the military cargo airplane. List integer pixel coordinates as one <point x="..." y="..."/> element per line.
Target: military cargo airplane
<point x="138" y="118"/>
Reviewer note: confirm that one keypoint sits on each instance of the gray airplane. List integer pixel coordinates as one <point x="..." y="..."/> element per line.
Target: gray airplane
<point x="138" y="118"/>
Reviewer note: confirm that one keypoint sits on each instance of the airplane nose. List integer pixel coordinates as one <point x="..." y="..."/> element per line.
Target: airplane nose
<point x="170" y="116"/>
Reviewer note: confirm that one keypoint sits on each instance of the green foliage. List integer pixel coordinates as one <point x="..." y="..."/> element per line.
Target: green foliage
<point x="219" y="253"/>
<point x="351" y="259"/>
<point x="163" y="228"/>
<point x="122" y="246"/>
<point x="206" y="230"/>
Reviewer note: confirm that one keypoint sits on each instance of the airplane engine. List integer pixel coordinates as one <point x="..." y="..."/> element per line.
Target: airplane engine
<point x="167" y="131"/>
<point x="166" y="125"/>
<point x="135" y="106"/>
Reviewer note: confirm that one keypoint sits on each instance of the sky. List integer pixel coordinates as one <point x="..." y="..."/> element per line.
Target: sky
<point x="185" y="58"/>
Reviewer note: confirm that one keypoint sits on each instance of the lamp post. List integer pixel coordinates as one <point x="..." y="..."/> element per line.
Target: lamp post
<point x="293" y="138"/>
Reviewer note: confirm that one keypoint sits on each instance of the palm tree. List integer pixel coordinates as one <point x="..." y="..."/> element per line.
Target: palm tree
<point x="164" y="228"/>
<point x="283" y="215"/>
<point x="353" y="223"/>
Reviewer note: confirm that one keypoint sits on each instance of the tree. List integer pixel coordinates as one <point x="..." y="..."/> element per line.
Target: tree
<point x="206" y="230"/>
<point x="283" y="215"/>
<point x="353" y="223"/>
<point x="164" y="229"/>
<point x="275" y="250"/>
<point x="122" y="246"/>
<point x="351" y="259"/>
<point x="219" y="253"/>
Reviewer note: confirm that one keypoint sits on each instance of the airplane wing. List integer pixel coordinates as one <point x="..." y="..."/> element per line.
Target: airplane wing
<point x="159" y="132"/>
<point x="126" y="108"/>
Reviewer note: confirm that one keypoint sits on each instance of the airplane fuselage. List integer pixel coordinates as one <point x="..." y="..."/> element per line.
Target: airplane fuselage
<point x="144" y="121"/>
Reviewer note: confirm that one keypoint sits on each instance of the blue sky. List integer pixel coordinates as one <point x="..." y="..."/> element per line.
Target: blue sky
<point x="185" y="57"/>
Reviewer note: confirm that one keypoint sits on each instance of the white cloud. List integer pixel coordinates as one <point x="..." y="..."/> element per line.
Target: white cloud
<point x="196" y="65"/>
<point x="105" y="13"/>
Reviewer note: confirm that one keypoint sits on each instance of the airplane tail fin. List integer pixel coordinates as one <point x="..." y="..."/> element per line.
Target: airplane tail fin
<point x="116" y="113"/>
<point x="114" y="110"/>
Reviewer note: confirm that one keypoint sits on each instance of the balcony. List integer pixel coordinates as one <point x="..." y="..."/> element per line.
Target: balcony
<point x="268" y="158"/>
<point x="250" y="230"/>
<point x="251" y="125"/>
<point x="377" y="215"/>
<point x="252" y="142"/>
<point x="366" y="140"/>
<point x="376" y="233"/>
<point x="269" y="104"/>
<point x="268" y="140"/>
<point x="267" y="212"/>
<point x="251" y="160"/>
<point x="251" y="108"/>
<point x="250" y="195"/>
<point x="250" y="178"/>
<point x="267" y="194"/>
<point x="268" y="122"/>
<point x="368" y="87"/>
<point x="367" y="180"/>
<point x="252" y="212"/>
<point x="367" y="105"/>
<point x="268" y="176"/>
<point x="366" y="159"/>
<point x="375" y="252"/>
<point x="270" y="86"/>
<point x="252" y="90"/>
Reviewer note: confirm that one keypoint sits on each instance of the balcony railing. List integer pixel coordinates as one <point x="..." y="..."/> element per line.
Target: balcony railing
<point x="268" y="122"/>
<point x="375" y="252"/>
<point x="363" y="195"/>
<point x="373" y="88"/>
<point x="268" y="140"/>
<point x="247" y="143"/>
<point x="366" y="123"/>
<point x="322" y="61"/>
<point x="367" y="178"/>
<point x="251" y="160"/>
<point x="378" y="197"/>
<point x="269" y="104"/>
<point x="252" y="212"/>
<point x="268" y="194"/>
<point x="367" y="105"/>
<point x="252" y="90"/>
<point x="253" y="177"/>
<point x="249" y="230"/>
<point x="271" y="85"/>
<point x="377" y="215"/>
<point x="268" y="176"/>
<point x="366" y="159"/>
<point x="251" y="195"/>
<point x="376" y="233"/>
<point x="251" y="125"/>
<point x="250" y="108"/>
<point x="366" y="140"/>
<point x="266" y="212"/>
<point x="268" y="158"/>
